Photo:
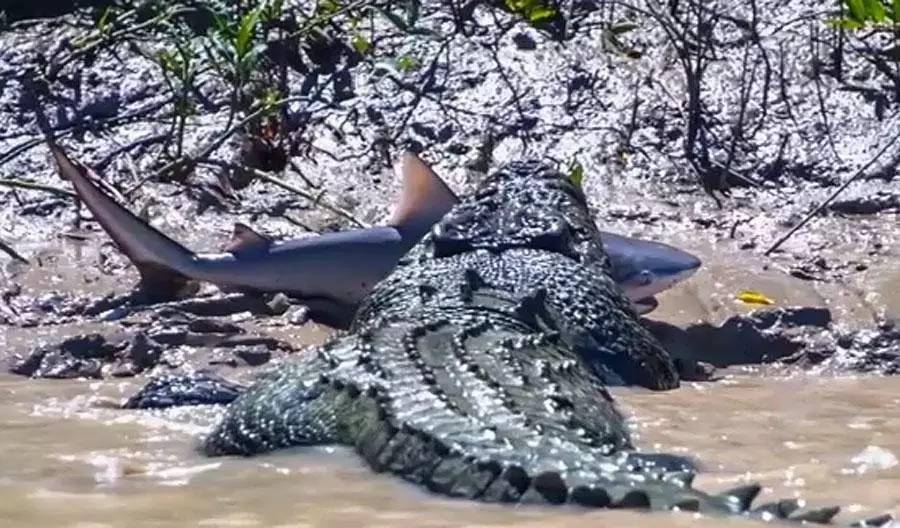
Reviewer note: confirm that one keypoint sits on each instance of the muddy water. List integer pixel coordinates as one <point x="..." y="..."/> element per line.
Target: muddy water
<point x="70" y="460"/>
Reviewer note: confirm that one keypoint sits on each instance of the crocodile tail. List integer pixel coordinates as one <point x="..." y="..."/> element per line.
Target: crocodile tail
<point x="504" y="476"/>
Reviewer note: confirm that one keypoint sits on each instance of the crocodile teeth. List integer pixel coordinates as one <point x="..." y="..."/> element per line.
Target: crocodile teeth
<point x="741" y="497"/>
<point x="820" y="516"/>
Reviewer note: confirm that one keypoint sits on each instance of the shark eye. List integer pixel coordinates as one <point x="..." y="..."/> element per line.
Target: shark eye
<point x="645" y="278"/>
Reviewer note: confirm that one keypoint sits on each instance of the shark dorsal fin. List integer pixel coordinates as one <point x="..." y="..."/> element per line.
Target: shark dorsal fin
<point x="425" y="197"/>
<point x="245" y="240"/>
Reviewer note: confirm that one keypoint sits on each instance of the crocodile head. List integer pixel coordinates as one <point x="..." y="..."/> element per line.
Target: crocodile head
<point x="523" y="205"/>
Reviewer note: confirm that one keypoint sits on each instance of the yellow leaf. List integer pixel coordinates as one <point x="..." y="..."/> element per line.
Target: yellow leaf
<point x="754" y="297"/>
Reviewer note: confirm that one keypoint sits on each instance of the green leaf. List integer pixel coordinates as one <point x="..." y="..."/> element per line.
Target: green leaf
<point x="535" y="11"/>
<point x="406" y="63"/>
<point x="272" y="10"/>
<point x="896" y="6"/>
<point x="875" y="11"/>
<point x="857" y="10"/>
<point x="103" y="23"/>
<point x="540" y="14"/>
<point x="246" y="31"/>
<point x="576" y="173"/>
<point x="361" y="44"/>
<point x="845" y="23"/>
<point x="329" y="7"/>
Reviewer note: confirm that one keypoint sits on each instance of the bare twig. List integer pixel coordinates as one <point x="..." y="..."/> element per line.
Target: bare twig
<point x="316" y="199"/>
<point x="831" y="198"/>
<point x="423" y="83"/>
<point x="91" y="42"/>
<point x="6" y="248"/>
<point x="814" y="43"/>
<point x="141" y="142"/>
<point x="207" y="150"/>
<point x="61" y="132"/>
<point x="32" y="186"/>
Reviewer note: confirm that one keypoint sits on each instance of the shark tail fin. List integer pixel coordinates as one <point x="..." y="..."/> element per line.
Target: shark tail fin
<point x="425" y="197"/>
<point x="162" y="263"/>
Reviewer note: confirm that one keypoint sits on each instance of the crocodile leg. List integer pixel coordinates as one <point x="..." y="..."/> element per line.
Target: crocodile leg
<point x="290" y="407"/>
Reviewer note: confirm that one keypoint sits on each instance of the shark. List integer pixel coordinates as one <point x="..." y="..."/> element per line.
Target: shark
<point x="645" y="268"/>
<point x="331" y="273"/>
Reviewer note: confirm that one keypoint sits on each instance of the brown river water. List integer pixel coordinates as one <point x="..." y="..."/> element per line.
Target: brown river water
<point x="69" y="459"/>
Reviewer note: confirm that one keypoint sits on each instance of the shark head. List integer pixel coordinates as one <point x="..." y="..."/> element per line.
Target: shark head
<point x="644" y="268"/>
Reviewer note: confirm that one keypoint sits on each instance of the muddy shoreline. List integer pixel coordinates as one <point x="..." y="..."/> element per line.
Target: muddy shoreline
<point x="835" y="285"/>
<point x="801" y="397"/>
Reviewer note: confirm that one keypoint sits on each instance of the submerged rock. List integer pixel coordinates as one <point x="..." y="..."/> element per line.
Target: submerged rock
<point x="168" y="339"/>
<point x="82" y="356"/>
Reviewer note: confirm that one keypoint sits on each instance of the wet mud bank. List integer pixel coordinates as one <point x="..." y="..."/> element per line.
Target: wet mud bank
<point x="491" y="89"/>
<point x="782" y="121"/>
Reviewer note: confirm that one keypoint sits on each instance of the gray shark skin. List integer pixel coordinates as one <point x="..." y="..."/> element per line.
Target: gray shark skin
<point x="332" y="272"/>
<point x="644" y="268"/>
<point x="478" y="369"/>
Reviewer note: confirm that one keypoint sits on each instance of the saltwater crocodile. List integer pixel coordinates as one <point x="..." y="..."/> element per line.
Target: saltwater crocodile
<point x="477" y="369"/>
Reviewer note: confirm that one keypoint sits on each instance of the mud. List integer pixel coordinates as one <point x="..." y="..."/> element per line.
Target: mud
<point x="803" y="424"/>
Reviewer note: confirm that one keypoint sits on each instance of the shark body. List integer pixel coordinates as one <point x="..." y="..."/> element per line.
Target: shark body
<point x="332" y="272"/>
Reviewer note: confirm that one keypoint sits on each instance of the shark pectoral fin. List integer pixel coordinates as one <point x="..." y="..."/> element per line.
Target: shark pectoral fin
<point x="645" y="305"/>
<point x="425" y="197"/>
<point x="159" y="284"/>
<point x="246" y="241"/>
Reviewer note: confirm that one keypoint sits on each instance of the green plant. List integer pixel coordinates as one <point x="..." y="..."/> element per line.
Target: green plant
<point x="576" y="173"/>
<point x="863" y="13"/>
<point x="407" y="63"/>
<point x="179" y="69"/>
<point x="110" y="19"/>
<point x="534" y="11"/>
<point x="234" y="52"/>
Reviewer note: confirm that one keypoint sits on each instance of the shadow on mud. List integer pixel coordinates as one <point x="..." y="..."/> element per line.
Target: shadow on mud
<point x="801" y="336"/>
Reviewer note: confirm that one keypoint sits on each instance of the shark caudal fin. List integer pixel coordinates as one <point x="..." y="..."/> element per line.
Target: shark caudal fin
<point x="162" y="262"/>
<point x="424" y="200"/>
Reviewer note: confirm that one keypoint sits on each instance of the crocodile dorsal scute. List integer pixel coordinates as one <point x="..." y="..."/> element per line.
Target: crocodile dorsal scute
<point x="547" y="213"/>
<point x="481" y="372"/>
